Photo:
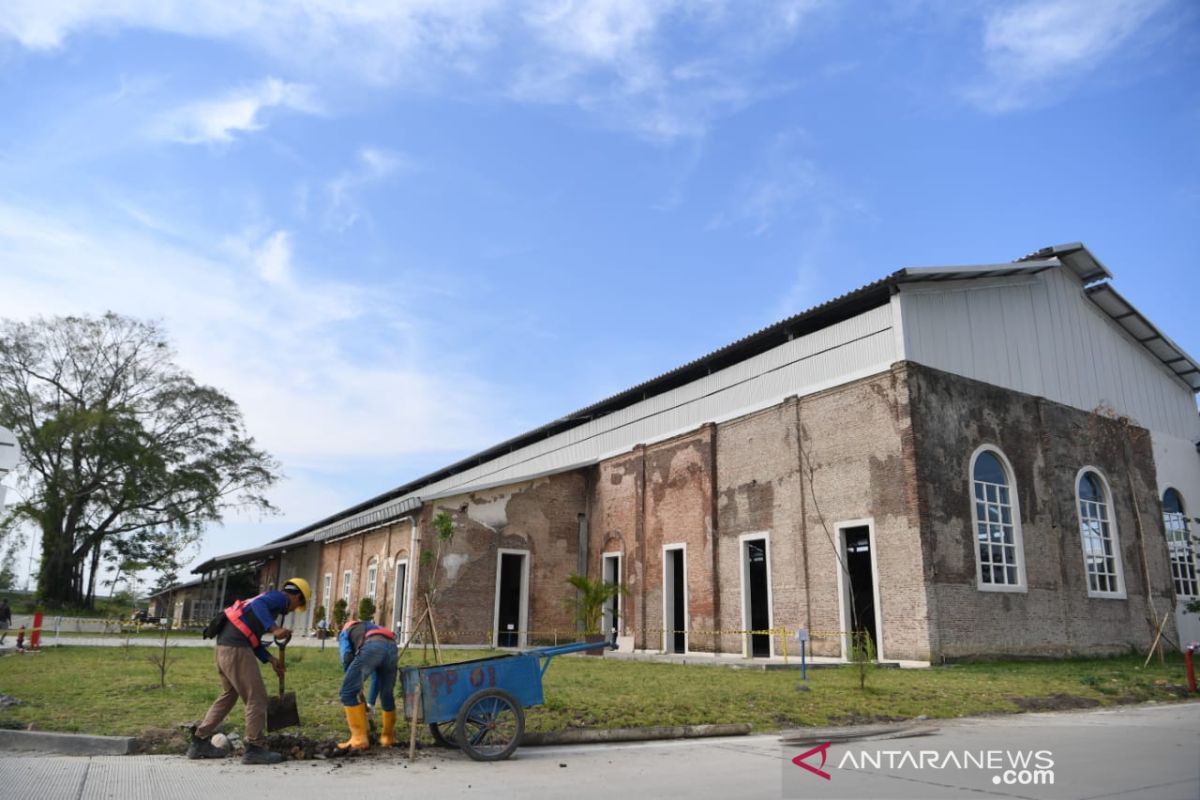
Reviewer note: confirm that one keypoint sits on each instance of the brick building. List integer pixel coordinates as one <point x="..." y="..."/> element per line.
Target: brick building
<point x="960" y="461"/>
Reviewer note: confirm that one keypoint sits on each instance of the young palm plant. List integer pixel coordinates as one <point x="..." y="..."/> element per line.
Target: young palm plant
<point x="589" y="599"/>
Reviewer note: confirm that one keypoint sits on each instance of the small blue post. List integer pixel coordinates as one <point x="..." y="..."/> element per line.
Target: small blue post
<point x="803" y="661"/>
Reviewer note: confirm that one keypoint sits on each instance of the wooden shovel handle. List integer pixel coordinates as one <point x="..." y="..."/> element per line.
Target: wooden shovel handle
<point x="282" y="665"/>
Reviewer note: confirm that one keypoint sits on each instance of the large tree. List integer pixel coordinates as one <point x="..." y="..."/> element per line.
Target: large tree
<point x="122" y="448"/>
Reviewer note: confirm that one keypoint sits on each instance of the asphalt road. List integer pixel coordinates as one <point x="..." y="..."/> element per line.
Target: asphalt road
<point x="1150" y="752"/>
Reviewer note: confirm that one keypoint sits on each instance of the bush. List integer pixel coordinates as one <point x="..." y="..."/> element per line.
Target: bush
<point x="366" y="608"/>
<point x="339" y="614"/>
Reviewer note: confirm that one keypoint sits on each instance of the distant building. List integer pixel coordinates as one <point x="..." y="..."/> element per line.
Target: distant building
<point x="961" y="461"/>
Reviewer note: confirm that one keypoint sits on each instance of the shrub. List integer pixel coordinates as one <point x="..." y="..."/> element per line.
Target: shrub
<point x="366" y="608"/>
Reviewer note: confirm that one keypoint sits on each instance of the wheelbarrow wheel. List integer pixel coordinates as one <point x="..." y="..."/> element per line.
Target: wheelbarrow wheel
<point x="490" y="725"/>
<point x="443" y="733"/>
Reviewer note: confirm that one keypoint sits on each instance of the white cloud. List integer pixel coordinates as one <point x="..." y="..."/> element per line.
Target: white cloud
<point x="377" y="39"/>
<point x="1035" y="47"/>
<point x="218" y="120"/>
<point x="663" y="69"/>
<point x="326" y="372"/>
<point x="786" y="189"/>
<point x="374" y="164"/>
<point x="621" y="60"/>
<point x="274" y="258"/>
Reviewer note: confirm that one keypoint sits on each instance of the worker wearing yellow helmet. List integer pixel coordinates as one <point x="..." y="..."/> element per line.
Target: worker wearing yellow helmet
<point x="239" y="643"/>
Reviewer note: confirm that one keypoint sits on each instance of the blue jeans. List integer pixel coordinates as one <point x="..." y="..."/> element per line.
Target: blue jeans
<point x="378" y="656"/>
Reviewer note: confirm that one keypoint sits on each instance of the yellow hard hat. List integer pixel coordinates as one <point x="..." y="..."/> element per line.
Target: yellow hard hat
<point x="305" y="592"/>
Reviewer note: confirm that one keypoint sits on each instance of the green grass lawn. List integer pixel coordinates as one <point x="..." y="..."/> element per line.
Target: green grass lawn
<point x="116" y="691"/>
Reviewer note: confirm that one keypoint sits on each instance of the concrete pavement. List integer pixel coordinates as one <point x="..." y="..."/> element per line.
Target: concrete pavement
<point x="1131" y="752"/>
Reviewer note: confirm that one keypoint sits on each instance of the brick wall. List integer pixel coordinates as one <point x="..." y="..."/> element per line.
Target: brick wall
<point x="540" y="517"/>
<point x="1046" y="444"/>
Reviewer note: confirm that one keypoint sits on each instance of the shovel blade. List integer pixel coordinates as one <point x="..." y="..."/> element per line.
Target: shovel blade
<point x="282" y="712"/>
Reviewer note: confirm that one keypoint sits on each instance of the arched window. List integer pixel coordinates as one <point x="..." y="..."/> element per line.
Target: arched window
<point x="999" y="560"/>
<point x="1183" y="559"/>
<point x="1098" y="531"/>
<point x="372" y="576"/>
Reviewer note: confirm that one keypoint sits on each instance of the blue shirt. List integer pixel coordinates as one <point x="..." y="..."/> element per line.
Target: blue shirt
<point x="259" y="615"/>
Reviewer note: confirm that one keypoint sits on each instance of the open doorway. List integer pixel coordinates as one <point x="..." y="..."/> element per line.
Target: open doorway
<point x="512" y="589"/>
<point x="610" y="624"/>
<point x="858" y="584"/>
<point x="675" y="618"/>
<point x="399" y="606"/>
<point x="756" y="595"/>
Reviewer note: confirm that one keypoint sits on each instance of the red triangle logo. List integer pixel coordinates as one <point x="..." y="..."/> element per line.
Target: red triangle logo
<point x="821" y="748"/>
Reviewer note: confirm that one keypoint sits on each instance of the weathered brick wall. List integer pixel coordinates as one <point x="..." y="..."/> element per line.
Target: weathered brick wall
<point x="1047" y="444"/>
<point x="614" y="527"/>
<point x="759" y="491"/>
<point x="539" y="516"/>
<point x="857" y="438"/>
<point x="384" y="546"/>
<point x="856" y="464"/>
<point x="678" y="510"/>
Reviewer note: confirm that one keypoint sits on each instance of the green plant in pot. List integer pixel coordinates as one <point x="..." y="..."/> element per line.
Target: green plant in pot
<point x="588" y="602"/>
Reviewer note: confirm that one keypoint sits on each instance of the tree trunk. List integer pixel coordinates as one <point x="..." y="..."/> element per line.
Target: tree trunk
<point x="56" y="576"/>
<point x="90" y="598"/>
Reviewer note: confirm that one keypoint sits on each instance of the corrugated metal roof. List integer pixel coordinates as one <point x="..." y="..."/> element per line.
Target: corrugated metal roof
<point x="1136" y="325"/>
<point x="253" y="554"/>
<point x="1075" y="256"/>
<point x="367" y="519"/>
<point x="401" y="500"/>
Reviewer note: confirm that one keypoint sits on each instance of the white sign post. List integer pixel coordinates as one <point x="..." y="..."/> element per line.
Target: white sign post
<point x="10" y="454"/>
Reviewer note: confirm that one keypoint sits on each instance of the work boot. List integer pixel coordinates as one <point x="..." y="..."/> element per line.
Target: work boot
<point x="387" y="738"/>
<point x="356" y="718"/>
<point x="204" y="748"/>
<point x="257" y="754"/>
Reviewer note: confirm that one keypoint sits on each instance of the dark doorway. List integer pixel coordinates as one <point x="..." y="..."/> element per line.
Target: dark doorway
<point x="612" y="606"/>
<point x="675" y="580"/>
<point x="398" y="602"/>
<point x="508" y="615"/>
<point x="757" y="606"/>
<point x="861" y="612"/>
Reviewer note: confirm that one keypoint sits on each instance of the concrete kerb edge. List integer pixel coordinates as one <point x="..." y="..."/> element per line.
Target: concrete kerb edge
<point x="608" y="735"/>
<point x="67" y="744"/>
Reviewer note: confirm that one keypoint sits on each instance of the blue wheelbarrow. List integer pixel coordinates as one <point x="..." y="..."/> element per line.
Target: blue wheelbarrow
<point x="479" y="706"/>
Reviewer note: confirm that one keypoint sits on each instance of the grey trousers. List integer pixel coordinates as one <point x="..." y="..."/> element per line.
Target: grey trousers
<point x="240" y="677"/>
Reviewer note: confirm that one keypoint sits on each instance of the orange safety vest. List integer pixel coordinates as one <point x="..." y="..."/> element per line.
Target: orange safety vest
<point x="381" y="632"/>
<point x="235" y="613"/>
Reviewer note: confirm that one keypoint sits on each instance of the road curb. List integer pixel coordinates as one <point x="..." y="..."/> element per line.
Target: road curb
<point x="67" y="744"/>
<point x="600" y="736"/>
<point x="900" y="730"/>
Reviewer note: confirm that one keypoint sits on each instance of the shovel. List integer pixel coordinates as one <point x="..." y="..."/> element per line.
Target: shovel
<point x="281" y="710"/>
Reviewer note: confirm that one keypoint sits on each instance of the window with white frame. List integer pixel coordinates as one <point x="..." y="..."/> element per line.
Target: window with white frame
<point x="1101" y="552"/>
<point x="999" y="560"/>
<point x="327" y="591"/>
<point x="1179" y="544"/>
<point x="346" y="576"/>
<point x="372" y="570"/>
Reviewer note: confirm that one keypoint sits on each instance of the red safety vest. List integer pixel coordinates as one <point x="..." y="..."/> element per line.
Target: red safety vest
<point x="381" y="632"/>
<point x="235" y="613"/>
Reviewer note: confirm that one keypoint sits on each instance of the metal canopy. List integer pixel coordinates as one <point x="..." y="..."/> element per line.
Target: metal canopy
<point x="1136" y="325"/>
<point x="1076" y="257"/>
<point x="366" y="519"/>
<point x="941" y="274"/>
<point x="249" y="556"/>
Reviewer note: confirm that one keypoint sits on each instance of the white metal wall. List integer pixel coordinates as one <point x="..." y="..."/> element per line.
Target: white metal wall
<point x="860" y="346"/>
<point x="1178" y="468"/>
<point x="1041" y="335"/>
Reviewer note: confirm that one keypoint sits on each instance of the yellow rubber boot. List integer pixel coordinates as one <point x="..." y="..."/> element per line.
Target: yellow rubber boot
<point x="387" y="737"/>
<point x="356" y="718"/>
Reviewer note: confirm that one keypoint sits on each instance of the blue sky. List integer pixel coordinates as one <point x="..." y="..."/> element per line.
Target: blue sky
<point x="399" y="232"/>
